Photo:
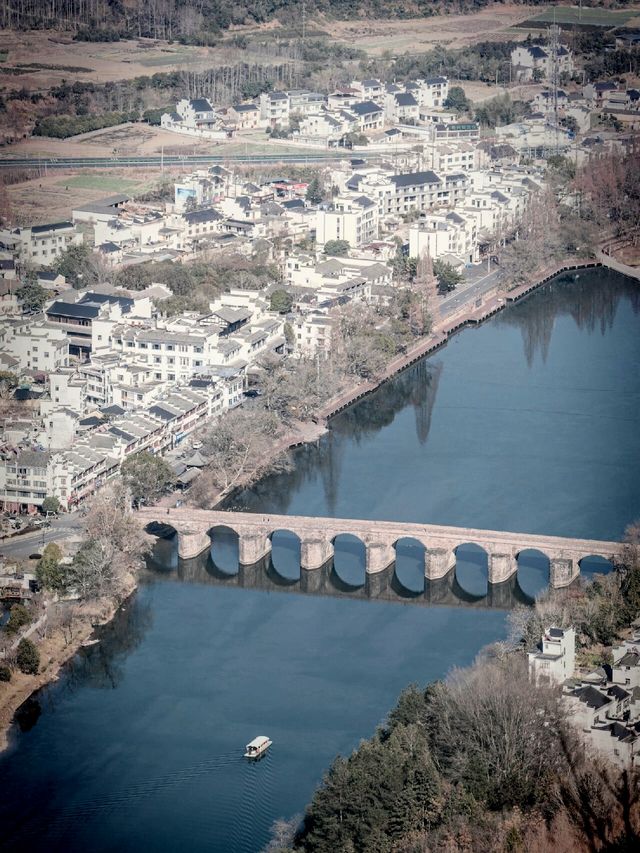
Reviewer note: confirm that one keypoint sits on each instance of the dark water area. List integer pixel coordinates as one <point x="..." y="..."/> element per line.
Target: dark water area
<point x="529" y="423"/>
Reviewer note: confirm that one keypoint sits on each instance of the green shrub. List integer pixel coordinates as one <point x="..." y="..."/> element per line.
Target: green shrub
<point x="18" y="618"/>
<point x="28" y="657"/>
<point x="5" y="672"/>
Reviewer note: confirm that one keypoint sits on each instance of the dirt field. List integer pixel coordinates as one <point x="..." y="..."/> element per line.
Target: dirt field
<point x="98" y="62"/>
<point x="420" y="34"/>
<point x="52" y="197"/>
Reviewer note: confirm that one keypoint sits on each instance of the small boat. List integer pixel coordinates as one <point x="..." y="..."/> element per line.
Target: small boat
<point x="258" y="746"/>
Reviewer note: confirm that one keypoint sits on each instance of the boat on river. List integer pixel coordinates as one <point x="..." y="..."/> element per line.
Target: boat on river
<point x="257" y="747"/>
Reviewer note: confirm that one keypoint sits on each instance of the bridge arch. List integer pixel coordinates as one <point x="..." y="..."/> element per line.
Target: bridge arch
<point x="592" y="565"/>
<point x="471" y="569"/>
<point x="409" y="566"/>
<point x="534" y="571"/>
<point x="349" y="560"/>
<point x="225" y="549"/>
<point x="286" y="550"/>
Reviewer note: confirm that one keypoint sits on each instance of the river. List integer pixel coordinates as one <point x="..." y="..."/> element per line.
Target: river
<point x="530" y="423"/>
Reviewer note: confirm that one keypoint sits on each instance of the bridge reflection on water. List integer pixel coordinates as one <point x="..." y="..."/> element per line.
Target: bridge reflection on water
<point x="389" y="585"/>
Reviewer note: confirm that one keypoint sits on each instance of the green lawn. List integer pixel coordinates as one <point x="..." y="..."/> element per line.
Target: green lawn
<point x="590" y="17"/>
<point x="182" y="57"/>
<point x="101" y="182"/>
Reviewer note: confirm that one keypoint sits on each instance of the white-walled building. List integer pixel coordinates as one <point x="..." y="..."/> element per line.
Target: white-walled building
<point x="529" y="62"/>
<point x="445" y="234"/>
<point x="556" y="660"/>
<point x="40" y="245"/>
<point x="354" y="219"/>
<point x="37" y="347"/>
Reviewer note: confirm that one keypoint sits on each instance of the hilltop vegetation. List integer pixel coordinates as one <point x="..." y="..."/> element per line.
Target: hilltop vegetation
<point x="199" y="21"/>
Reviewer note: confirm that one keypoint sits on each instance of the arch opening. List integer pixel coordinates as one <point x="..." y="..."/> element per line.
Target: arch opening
<point x="163" y="556"/>
<point x="593" y="565"/>
<point x="409" y="565"/>
<point x="285" y="554"/>
<point x="472" y="569"/>
<point x="225" y="550"/>
<point x="533" y="572"/>
<point x="349" y="560"/>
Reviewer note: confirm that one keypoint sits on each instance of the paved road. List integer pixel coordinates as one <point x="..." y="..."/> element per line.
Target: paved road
<point x="468" y="292"/>
<point x="157" y="161"/>
<point x="19" y="547"/>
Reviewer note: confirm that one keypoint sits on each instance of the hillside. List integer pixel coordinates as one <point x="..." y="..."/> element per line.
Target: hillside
<point x="200" y="21"/>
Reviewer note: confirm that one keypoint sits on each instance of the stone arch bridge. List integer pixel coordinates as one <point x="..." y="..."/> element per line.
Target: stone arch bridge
<point x="317" y="536"/>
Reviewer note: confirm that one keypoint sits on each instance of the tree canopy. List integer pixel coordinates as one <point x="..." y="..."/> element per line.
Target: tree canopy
<point x="337" y="247"/>
<point x="147" y="477"/>
<point x="281" y="301"/>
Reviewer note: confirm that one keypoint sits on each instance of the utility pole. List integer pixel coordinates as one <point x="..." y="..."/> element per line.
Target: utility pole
<point x="304" y="19"/>
<point x="554" y="47"/>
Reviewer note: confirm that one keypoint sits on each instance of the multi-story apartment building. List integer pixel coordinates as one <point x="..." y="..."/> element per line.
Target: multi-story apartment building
<point x="40" y="245"/>
<point x="445" y="234"/>
<point x="275" y="108"/>
<point x="38" y="347"/>
<point x="419" y="191"/>
<point x="354" y="219"/>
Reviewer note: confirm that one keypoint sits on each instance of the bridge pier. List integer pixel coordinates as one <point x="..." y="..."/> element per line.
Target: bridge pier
<point x="252" y="547"/>
<point x="191" y="545"/>
<point x="562" y="571"/>
<point x="315" y="552"/>
<point x="379" y="556"/>
<point x="437" y="563"/>
<point x="501" y="567"/>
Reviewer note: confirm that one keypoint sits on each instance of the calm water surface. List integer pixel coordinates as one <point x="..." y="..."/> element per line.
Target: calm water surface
<point x="528" y="423"/>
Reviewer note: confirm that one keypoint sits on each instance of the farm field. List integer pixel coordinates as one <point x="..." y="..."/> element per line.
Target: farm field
<point x="62" y="58"/>
<point x="53" y="197"/>
<point x="416" y="35"/>
<point x="585" y="16"/>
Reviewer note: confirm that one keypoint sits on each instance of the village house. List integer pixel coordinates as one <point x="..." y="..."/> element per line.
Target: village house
<point x="534" y="62"/>
<point x="441" y="235"/>
<point x="40" y="245"/>
<point x="354" y="219"/>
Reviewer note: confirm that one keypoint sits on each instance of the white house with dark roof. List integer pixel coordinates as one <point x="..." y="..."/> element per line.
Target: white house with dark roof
<point x="195" y="117"/>
<point x="354" y="219"/>
<point x="370" y="116"/>
<point x="369" y="90"/>
<point x="531" y="61"/>
<point x="401" y="107"/>
<point x="40" y="245"/>
<point x="451" y="233"/>
<point x="244" y="116"/>
<point x="275" y="108"/>
<point x="555" y="661"/>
